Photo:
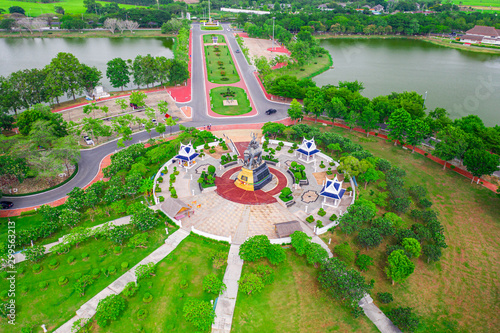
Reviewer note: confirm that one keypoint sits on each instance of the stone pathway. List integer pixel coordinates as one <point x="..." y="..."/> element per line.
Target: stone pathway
<point x="224" y="309"/>
<point x="380" y="320"/>
<point x="88" y="309"/>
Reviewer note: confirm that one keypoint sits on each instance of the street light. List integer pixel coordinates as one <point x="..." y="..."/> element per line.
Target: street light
<point x="273" y="32"/>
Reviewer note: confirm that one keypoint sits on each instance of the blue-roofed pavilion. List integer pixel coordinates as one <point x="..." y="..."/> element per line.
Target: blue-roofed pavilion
<point x="332" y="192"/>
<point x="307" y="150"/>
<point x="186" y="155"/>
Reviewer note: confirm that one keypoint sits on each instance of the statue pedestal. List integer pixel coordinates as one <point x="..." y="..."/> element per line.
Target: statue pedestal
<point x="253" y="180"/>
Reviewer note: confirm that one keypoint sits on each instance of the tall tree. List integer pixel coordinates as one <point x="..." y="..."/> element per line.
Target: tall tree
<point x="453" y="144"/>
<point x="397" y="124"/>
<point x="480" y="162"/>
<point x="416" y="132"/>
<point x="118" y="73"/>
<point x="89" y="78"/>
<point x="369" y="119"/>
<point x="399" y="267"/>
<point x="336" y="108"/>
<point x="295" y="111"/>
<point x="65" y="71"/>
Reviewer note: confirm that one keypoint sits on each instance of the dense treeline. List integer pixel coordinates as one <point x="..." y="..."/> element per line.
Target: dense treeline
<point x="66" y="75"/>
<point x="352" y="22"/>
<point x="404" y="115"/>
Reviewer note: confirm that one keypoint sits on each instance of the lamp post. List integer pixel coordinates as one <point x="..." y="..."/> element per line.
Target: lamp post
<point x="273" y="32"/>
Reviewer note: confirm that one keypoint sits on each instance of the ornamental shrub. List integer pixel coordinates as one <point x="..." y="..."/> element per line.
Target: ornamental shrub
<point x="199" y="313"/>
<point x="117" y="250"/>
<point x="251" y="283"/>
<point x="43" y="285"/>
<point x="4" y="294"/>
<point x="96" y="272"/>
<point x="85" y="256"/>
<point x="404" y="319"/>
<point x="310" y="219"/>
<point x="124" y="265"/>
<point x="109" y="308"/>
<point x="112" y="270"/>
<point x="53" y="264"/>
<point x="385" y="298"/>
<point x="63" y="280"/>
<point x="77" y="276"/>
<point x="333" y="217"/>
<point x="37" y="268"/>
<point x="364" y="261"/>
<point x="254" y="248"/>
<point x="147" y="298"/>
<point x="212" y="284"/>
<point x="101" y="252"/>
<point x="142" y="313"/>
<point x="321" y="212"/>
<point x="130" y="289"/>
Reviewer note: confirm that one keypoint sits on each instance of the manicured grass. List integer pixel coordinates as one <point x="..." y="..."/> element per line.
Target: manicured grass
<point x="479" y="3"/>
<point x="313" y="67"/>
<point x="458" y="293"/>
<point x="215" y="70"/>
<point x="25" y="222"/>
<point x="190" y="261"/>
<point x="208" y="39"/>
<point x="211" y="28"/>
<point x="86" y="34"/>
<point x="35" y="9"/>
<point x="294" y="302"/>
<point x="218" y="106"/>
<point x="57" y="304"/>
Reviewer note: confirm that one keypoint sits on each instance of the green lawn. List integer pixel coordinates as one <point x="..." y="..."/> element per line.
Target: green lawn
<point x="218" y="106"/>
<point x="216" y="70"/>
<point x="190" y="261"/>
<point x="35" y="9"/>
<point x="57" y="304"/>
<point x="479" y="3"/>
<point x="294" y="302"/>
<point x="88" y="220"/>
<point x="211" y="28"/>
<point x="314" y="67"/>
<point x="208" y="39"/>
<point x="460" y="292"/>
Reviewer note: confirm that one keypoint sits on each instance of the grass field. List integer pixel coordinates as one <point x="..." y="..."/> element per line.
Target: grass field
<point x="218" y="106"/>
<point x="208" y="39"/>
<point x="57" y="304"/>
<point x="478" y="3"/>
<point x="190" y="261"/>
<point x="294" y="302"/>
<point x="311" y="68"/>
<point x="35" y="9"/>
<point x="460" y="292"/>
<point x="216" y="71"/>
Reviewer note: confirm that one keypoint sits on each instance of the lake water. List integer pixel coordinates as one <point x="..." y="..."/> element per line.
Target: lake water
<point x="462" y="82"/>
<point x="25" y="53"/>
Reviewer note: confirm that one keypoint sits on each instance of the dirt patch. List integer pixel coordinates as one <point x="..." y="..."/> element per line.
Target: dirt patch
<point x="12" y="186"/>
<point x="218" y="152"/>
<point x="258" y="47"/>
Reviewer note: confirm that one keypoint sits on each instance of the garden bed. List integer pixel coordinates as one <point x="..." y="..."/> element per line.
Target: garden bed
<point x="220" y="65"/>
<point x="240" y="96"/>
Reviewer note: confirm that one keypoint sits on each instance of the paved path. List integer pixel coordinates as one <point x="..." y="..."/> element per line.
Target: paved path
<point x="224" y="309"/>
<point x="88" y="309"/>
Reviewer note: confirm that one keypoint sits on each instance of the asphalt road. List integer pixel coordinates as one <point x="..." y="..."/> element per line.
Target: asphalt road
<point x="88" y="166"/>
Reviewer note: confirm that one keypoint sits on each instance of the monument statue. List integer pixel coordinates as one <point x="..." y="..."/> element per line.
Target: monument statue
<point x="252" y="157"/>
<point x="254" y="174"/>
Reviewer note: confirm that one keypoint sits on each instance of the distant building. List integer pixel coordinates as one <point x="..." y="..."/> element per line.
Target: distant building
<point x="378" y="8"/>
<point x="482" y="34"/>
<point x="324" y="7"/>
<point x="248" y="11"/>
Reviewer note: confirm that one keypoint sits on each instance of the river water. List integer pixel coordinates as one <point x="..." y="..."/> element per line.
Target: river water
<point x="462" y="82"/>
<point x="25" y="53"/>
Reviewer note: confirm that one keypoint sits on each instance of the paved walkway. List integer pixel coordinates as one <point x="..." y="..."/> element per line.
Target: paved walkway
<point x="88" y="309"/>
<point x="224" y="309"/>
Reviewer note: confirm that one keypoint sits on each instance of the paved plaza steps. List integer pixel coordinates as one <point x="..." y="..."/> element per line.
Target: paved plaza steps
<point x="229" y="191"/>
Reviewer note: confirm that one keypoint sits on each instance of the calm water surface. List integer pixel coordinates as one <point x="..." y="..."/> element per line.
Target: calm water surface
<point x="461" y="82"/>
<point x="24" y="53"/>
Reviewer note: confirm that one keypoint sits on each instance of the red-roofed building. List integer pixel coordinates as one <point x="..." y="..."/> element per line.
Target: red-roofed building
<point x="482" y="34"/>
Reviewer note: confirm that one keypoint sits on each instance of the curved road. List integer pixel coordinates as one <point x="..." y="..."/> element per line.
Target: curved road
<point x="88" y="167"/>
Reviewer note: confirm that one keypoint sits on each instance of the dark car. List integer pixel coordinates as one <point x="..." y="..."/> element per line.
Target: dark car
<point x="6" y="204"/>
<point x="271" y="111"/>
<point x="237" y="51"/>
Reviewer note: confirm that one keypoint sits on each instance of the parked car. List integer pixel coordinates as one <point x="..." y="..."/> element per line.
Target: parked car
<point x="6" y="204"/>
<point x="154" y="121"/>
<point x="88" y="140"/>
<point x="237" y="50"/>
<point x="271" y="111"/>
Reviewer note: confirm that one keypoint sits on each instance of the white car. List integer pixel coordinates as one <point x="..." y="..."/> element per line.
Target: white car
<point x="88" y="140"/>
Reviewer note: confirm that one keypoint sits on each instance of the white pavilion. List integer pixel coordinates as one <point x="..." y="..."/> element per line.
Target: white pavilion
<point x="307" y="150"/>
<point x="332" y="192"/>
<point x="187" y="155"/>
